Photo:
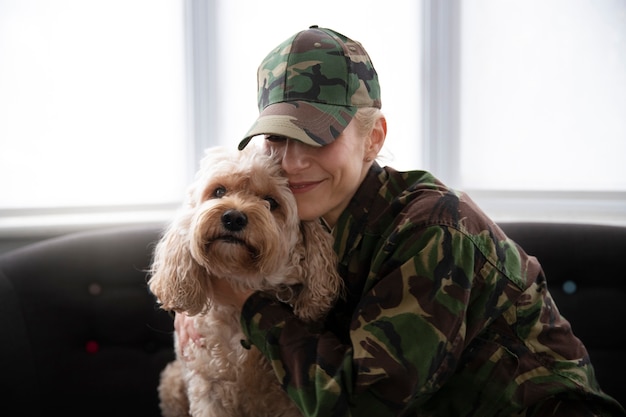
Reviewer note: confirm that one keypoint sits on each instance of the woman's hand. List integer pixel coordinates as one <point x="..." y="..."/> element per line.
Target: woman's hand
<point x="186" y="332"/>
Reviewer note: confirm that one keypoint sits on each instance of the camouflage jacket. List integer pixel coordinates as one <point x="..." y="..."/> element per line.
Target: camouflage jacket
<point x="444" y="316"/>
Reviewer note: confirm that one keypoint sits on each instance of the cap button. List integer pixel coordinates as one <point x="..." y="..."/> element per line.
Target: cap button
<point x="313" y="27"/>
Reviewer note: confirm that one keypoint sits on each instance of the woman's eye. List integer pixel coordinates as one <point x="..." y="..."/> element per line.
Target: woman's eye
<point x="275" y="138"/>
<point x="219" y="192"/>
<point x="273" y="203"/>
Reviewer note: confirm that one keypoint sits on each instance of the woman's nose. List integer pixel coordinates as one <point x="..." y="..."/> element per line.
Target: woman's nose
<point x="294" y="156"/>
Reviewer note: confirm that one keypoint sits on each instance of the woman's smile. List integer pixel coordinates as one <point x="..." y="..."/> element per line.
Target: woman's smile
<point x="303" y="187"/>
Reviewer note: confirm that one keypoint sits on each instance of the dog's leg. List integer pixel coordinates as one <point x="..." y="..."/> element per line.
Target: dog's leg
<point x="173" y="392"/>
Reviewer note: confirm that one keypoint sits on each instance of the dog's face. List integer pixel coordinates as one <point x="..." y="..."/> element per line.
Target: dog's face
<point x="241" y="215"/>
<point x="239" y="222"/>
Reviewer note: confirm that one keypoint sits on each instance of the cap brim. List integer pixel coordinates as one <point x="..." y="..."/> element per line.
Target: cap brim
<point x="311" y="123"/>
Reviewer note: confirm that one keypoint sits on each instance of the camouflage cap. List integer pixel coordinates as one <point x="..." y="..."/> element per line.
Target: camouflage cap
<point x="311" y="86"/>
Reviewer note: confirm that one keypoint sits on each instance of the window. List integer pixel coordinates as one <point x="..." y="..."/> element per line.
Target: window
<point x="106" y="106"/>
<point x="543" y="93"/>
<point x="526" y="106"/>
<point x="92" y="109"/>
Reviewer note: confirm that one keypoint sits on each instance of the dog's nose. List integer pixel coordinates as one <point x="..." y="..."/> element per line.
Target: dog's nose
<point x="234" y="220"/>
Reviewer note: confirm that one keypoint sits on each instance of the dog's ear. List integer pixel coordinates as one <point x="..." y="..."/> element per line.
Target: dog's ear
<point x="177" y="280"/>
<point x="322" y="283"/>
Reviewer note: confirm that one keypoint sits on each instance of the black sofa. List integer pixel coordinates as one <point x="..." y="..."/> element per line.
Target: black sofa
<point x="82" y="335"/>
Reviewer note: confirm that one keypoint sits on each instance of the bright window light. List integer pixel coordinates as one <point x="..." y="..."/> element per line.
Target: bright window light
<point x="92" y="106"/>
<point x="543" y="95"/>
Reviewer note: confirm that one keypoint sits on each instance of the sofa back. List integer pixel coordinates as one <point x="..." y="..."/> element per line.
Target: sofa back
<point x="82" y="335"/>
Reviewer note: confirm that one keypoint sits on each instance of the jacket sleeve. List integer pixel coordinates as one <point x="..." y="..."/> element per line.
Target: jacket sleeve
<point x="407" y="332"/>
<point x="313" y="366"/>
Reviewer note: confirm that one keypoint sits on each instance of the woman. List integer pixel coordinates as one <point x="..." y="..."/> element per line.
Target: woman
<point x="443" y="314"/>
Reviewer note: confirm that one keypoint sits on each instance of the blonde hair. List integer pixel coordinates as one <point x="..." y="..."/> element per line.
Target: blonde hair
<point x="365" y="118"/>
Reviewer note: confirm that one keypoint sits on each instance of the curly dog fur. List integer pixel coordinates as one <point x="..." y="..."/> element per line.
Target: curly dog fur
<point x="239" y="223"/>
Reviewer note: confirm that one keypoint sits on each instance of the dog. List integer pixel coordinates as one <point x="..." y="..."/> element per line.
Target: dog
<point x="239" y="223"/>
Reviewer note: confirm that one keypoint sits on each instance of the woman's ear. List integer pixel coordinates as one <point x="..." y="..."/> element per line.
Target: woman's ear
<point x="377" y="136"/>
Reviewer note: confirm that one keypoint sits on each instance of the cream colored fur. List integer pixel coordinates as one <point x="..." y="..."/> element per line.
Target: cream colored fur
<point x="240" y="223"/>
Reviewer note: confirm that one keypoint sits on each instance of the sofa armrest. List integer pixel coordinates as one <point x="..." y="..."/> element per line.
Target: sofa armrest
<point x="86" y="336"/>
<point x="584" y="266"/>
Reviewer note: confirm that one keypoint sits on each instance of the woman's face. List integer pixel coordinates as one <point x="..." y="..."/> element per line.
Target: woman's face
<point x="324" y="179"/>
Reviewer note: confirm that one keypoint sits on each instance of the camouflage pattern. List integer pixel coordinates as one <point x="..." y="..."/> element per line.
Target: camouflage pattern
<point x="311" y="85"/>
<point x="444" y="316"/>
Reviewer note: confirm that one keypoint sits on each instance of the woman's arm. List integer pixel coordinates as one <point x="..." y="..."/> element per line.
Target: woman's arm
<point x="406" y="334"/>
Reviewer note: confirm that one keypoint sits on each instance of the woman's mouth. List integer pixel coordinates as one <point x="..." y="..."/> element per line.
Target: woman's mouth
<point x="302" y="187"/>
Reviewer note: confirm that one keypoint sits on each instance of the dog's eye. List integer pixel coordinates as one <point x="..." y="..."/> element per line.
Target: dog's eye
<point x="219" y="192"/>
<point x="273" y="203"/>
